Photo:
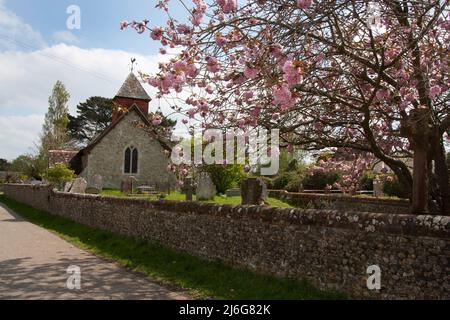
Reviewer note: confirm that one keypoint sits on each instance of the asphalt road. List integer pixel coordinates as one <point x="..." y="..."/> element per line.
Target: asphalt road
<point x="34" y="265"/>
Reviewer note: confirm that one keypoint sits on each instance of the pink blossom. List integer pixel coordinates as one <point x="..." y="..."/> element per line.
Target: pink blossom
<point x="227" y="6"/>
<point x="255" y="112"/>
<point x="124" y="25"/>
<point x="180" y="65"/>
<point x="248" y="95"/>
<point x="283" y="96"/>
<point x="434" y="91"/>
<point x="292" y="73"/>
<point x="191" y="70"/>
<point x="251" y="73"/>
<point x="157" y="33"/>
<point x="191" y="112"/>
<point x="157" y="120"/>
<point x="220" y="39"/>
<point x="209" y="89"/>
<point x="183" y="29"/>
<point x="212" y="64"/>
<point x="304" y="4"/>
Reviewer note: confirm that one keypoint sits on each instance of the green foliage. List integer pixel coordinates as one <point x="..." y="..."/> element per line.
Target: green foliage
<point x="392" y="187"/>
<point x="225" y="177"/>
<point x="59" y="174"/>
<point x="366" y="182"/>
<point x="54" y="130"/>
<point x="295" y="183"/>
<point x="280" y="181"/>
<point x="29" y="165"/>
<point x="5" y="165"/>
<point x="318" y="180"/>
<point x="93" y="117"/>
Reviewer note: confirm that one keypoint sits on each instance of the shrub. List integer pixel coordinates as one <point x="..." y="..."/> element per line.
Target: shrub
<point x="59" y="174"/>
<point x="366" y="182"/>
<point x="318" y="180"/>
<point x="295" y="182"/>
<point x="392" y="187"/>
<point x="281" y="181"/>
<point x="225" y="177"/>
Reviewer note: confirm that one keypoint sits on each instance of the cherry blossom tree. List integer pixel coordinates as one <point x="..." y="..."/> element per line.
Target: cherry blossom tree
<point x="370" y="77"/>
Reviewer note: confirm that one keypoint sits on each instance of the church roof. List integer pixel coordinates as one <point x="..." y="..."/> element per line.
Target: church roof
<point x="132" y="88"/>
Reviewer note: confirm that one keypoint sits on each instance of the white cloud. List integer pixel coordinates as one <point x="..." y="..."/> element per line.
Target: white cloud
<point x="27" y="78"/>
<point x="65" y="37"/>
<point x="16" y="33"/>
<point x="18" y="135"/>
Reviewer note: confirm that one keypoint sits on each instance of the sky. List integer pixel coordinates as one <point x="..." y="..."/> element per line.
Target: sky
<point x="37" y="49"/>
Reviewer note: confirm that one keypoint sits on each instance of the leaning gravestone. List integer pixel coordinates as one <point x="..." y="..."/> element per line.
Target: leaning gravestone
<point x="68" y="186"/>
<point x="253" y="191"/>
<point x="96" y="186"/>
<point x="206" y="190"/>
<point x="79" y="186"/>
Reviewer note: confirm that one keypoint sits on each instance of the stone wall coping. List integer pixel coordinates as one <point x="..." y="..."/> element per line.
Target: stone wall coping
<point x="383" y="201"/>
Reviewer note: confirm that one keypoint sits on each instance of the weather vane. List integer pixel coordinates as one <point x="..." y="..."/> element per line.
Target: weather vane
<point x="133" y="61"/>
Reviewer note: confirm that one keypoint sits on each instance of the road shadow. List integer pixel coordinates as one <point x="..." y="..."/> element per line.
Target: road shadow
<point x="23" y="279"/>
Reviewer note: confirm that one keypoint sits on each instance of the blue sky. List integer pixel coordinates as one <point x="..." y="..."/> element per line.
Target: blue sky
<point x="37" y="49"/>
<point x="100" y="21"/>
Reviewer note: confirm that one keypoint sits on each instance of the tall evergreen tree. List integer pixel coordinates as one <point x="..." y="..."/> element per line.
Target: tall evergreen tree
<point x="54" y="131"/>
<point x="93" y="117"/>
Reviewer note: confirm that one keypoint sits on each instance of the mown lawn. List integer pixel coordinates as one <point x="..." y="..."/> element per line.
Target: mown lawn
<point x="203" y="279"/>
<point x="178" y="196"/>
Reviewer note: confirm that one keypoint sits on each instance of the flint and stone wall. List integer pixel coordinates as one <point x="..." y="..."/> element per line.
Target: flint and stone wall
<point x="331" y="249"/>
<point x="341" y="202"/>
<point x="107" y="157"/>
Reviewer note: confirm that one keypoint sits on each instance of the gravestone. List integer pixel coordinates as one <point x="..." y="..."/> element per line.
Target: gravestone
<point x="235" y="192"/>
<point x="378" y="187"/>
<point x="68" y="186"/>
<point x="188" y="189"/>
<point x="126" y="186"/>
<point x="206" y="190"/>
<point x="97" y="182"/>
<point x="79" y="186"/>
<point x="96" y="185"/>
<point x="253" y="191"/>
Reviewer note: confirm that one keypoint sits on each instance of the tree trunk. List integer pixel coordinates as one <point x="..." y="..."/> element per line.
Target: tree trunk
<point x="417" y="129"/>
<point x="420" y="182"/>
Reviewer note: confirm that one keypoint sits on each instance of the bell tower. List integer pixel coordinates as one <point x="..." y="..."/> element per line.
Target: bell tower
<point x="129" y="94"/>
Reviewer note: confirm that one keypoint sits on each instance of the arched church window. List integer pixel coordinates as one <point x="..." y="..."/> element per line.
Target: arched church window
<point x="131" y="160"/>
<point x="134" y="161"/>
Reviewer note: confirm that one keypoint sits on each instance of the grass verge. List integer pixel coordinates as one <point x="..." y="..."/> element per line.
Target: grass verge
<point x="202" y="278"/>
<point x="178" y="196"/>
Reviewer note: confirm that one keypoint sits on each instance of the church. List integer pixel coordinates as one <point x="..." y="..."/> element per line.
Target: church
<point x="125" y="149"/>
